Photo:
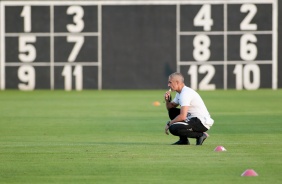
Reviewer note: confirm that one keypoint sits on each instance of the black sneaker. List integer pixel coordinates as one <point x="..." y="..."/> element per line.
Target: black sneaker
<point x="201" y="139"/>
<point x="182" y="142"/>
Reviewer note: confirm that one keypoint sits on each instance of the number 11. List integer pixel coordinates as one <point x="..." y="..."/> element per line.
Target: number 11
<point x="67" y="73"/>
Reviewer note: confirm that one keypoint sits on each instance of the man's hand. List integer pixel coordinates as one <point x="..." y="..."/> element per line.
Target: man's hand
<point x="166" y="128"/>
<point x="167" y="96"/>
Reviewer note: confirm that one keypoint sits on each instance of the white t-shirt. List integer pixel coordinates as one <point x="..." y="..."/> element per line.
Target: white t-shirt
<point x="197" y="107"/>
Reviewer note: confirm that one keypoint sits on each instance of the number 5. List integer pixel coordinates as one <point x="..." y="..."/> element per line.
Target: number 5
<point x="27" y="52"/>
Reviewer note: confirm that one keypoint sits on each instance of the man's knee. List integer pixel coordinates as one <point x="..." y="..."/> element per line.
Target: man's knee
<point x="178" y="129"/>
<point x="173" y="130"/>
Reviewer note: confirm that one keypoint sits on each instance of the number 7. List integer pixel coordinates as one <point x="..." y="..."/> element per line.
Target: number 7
<point x="78" y="40"/>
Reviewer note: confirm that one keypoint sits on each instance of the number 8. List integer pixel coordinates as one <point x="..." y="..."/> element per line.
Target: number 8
<point x="201" y="50"/>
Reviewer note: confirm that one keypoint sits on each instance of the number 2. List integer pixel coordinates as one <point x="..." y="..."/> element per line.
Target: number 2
<point x="246" y="23"/>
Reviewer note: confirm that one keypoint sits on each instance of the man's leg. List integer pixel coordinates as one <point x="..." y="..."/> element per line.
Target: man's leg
<point x="173" y="112"/>
<point x="183" y="140"/>
<point x="184" y="129"/>
<point x="199" y="127"/>
<point x="192" y="129"/>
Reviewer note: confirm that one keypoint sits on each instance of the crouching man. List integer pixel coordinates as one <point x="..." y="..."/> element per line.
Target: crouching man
<point x="192" y="119"/>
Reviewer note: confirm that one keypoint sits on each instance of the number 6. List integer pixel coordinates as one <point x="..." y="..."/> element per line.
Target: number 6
<point x="248" y="50"/>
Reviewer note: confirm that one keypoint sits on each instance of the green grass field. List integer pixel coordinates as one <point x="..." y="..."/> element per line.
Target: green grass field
<point x="118" y="137"/>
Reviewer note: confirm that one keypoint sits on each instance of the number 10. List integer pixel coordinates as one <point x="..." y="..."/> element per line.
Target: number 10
<point x="243" y="76"/>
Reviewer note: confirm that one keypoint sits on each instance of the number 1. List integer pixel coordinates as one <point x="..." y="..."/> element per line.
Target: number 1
<point x="26" y="14"/>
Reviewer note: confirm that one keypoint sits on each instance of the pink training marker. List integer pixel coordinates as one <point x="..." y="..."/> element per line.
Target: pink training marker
<point x="249" y="172"/>
<point x="220" y="148"/>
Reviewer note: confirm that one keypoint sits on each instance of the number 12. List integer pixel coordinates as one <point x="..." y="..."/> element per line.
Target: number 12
<point x="205" y="82"/>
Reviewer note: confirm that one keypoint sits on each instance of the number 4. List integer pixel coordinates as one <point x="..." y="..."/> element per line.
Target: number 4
<point x="203" y="18"/>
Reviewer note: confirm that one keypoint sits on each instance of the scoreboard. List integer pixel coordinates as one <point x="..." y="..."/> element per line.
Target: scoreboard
<point x="45" y="46"/>
<point x="230" y="45"/>
<point x="76" y="45"/>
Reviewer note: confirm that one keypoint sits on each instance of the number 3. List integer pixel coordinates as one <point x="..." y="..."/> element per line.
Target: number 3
<point x="77" y="19"/>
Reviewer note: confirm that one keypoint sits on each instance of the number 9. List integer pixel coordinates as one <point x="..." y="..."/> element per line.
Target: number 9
<point x="26" y="74"/>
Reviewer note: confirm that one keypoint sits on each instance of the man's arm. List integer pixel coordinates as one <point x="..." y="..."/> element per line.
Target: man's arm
<point x="182" y="116"/>
<point x="168" y="102"/>
<point x="170" y="105"/>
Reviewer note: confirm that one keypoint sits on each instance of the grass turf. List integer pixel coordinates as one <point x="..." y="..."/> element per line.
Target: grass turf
<point x="118" y="137"/>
